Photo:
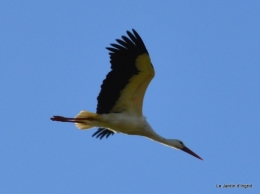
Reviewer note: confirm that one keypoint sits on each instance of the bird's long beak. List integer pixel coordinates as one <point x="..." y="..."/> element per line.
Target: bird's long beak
<point x="185" y="149"/>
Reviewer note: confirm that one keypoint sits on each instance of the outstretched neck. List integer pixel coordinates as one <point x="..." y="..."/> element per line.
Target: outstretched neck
<point x="156" y="137"/>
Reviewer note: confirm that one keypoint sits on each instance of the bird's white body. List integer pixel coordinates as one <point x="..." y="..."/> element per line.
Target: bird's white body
<point x="135" y="125"/>
<point x="118" y="122"/>
<point x="127" y="124"/>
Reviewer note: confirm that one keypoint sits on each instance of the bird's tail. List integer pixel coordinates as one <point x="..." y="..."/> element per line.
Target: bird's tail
<point x="86" y="118"/>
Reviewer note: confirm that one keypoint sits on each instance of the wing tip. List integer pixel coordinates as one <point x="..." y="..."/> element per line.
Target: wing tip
<point x="102" y="132"/>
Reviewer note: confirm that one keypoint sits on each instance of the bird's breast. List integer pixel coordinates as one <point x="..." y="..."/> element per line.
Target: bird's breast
<point x="125" y="123"/>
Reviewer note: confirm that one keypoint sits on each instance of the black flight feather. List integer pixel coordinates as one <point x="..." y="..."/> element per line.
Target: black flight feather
<point x="122" y="58"/>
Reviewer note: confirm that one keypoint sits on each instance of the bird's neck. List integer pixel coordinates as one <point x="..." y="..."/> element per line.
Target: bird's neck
<point x="156" y="137"/>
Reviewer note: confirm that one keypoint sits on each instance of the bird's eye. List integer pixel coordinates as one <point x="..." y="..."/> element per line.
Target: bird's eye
<point x="181" y="142"/>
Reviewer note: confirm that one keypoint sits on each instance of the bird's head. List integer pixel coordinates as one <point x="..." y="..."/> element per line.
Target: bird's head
<point x="178" y="144"/>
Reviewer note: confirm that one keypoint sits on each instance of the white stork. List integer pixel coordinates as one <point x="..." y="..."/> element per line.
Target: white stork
<point x="120" y="100"/>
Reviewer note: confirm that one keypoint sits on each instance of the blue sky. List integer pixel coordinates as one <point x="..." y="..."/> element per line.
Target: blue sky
<point x="205" y="92"/>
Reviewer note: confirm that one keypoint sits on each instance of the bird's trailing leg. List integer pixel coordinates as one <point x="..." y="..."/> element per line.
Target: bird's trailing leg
<point x="71" y="120"/>
<point x="83" y="120"/>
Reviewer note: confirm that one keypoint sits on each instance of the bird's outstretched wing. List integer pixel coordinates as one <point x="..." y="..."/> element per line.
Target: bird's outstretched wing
<point x="124" y="88"/>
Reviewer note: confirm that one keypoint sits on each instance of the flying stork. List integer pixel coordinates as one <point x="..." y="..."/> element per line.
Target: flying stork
<point x="120" y="100"/>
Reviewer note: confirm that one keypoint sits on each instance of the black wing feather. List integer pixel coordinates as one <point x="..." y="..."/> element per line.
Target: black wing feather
<point x="101" y="132"/>
<point x="122" y="59"/>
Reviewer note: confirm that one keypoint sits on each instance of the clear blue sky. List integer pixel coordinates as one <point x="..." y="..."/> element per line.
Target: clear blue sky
<point x="206" y="92"/>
